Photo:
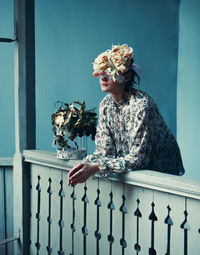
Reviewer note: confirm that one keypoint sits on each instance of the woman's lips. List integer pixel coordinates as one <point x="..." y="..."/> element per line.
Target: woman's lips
<point x="104" y="84"/>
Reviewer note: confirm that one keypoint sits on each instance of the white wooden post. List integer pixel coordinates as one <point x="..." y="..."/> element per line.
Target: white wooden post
<point x="24" y="117"/>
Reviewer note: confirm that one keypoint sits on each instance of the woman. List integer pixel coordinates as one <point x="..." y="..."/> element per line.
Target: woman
<point x="131" y="132"/>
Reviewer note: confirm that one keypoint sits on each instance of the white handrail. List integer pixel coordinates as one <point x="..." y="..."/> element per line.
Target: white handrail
<point x="143" y="178"/>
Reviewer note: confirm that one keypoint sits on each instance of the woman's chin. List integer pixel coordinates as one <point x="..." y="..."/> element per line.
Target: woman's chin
<point x="105" y="88"/>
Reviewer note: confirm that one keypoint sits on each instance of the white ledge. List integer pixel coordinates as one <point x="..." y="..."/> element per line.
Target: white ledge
<point x="143" y="178"/>
<point x="49" y="159"/>
<point x="6" y="161"/>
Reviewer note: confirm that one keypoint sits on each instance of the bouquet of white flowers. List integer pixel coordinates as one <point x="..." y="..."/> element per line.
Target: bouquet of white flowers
<point x="71" y="121"/>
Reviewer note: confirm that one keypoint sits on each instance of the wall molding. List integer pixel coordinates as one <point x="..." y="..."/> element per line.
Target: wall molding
<point x="6" y="161"/>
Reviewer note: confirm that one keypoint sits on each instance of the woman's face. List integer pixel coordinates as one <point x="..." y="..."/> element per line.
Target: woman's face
<point x="108" y="85"/>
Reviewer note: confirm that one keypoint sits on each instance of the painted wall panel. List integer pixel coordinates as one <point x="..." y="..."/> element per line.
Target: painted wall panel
<point x="188" y="89"/>
<point x="6" y="80"/>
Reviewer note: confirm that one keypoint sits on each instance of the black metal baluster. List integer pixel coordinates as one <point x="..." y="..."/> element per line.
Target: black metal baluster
<point x="138" y="214"/>
<point x="124" y="211"/>
<point x="49" y="219"/>
<point x="38" y="217"/>
<point x="97" y="232"/>
<point x="30" y="213"/>
<point x="84" y="228"/>
<point x="153" y="218"/>
<point x="61" y="221"/>
<point x="73" y="227"/>
<point x="111" y="206"/>
<point x="169" y="223"/>
<point x="186" y="228"/>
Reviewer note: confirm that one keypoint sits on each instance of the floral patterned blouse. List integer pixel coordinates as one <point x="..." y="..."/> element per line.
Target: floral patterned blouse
<point x="132" y="135"/>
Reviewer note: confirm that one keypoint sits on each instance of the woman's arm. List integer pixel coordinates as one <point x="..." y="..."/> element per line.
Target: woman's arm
<point x="139" y="154"/>
<point x="104" y="147"/>
<point x="104" y="159"/>
<point x="81" y="172"/>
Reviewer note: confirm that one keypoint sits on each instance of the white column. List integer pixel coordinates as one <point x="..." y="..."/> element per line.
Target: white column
<point x="24" y="116"/>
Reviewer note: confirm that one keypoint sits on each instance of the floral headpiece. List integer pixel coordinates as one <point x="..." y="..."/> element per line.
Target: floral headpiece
<point x="115" y="62"/>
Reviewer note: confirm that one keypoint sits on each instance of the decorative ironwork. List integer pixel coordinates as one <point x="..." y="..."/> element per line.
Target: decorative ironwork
<point x="111" y="206"/>
<point x="169" y="223"/>
<point x="84" y="228"/>
<point x="153" y="218"/>
<point x="38" y="217"/>
<point x="73" y="227"/>
<point x="138" y="214"/>
<point x="97" y="232"/>
<point x="186" y="228"/>
<point x="124" y="211"/>
<point x="61" y="221"/>
<point x="49" y="219"/>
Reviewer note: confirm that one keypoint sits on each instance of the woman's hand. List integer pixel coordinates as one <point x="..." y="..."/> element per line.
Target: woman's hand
<point x="81" y="172"/>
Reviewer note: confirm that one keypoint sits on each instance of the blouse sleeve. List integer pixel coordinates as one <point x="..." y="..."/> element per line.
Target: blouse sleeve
<point x="105" y="147"/>
<point x="139" y="154"/>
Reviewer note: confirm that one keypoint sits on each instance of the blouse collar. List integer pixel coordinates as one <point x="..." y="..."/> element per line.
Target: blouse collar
<point x="124" y="100"/>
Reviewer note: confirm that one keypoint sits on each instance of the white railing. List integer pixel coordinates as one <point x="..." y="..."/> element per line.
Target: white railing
<point x="141" y="212"/>
<point x="6" y="205"/>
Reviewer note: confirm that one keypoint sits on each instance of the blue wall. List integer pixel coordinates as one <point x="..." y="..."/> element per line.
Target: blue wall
<point x="70" y="34"/>
<point x="7" y="139"/>
<point x="188" y="103"/>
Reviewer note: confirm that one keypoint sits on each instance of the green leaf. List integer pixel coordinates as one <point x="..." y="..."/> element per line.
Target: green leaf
<point x="69" y="118"/>
<point x="83" y="106"/>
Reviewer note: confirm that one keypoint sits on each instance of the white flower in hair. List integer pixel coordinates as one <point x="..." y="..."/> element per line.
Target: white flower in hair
<point x="113" y="62"/>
